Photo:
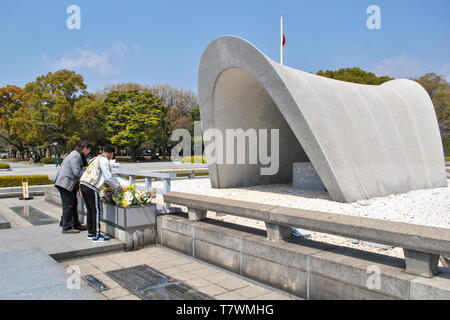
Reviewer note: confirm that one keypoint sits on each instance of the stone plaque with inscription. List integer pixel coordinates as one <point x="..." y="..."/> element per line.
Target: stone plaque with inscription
<point x="305" y="177"/>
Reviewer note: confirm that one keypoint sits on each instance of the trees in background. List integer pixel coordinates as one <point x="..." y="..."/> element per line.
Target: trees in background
<point x="13" y="118"/>
<point x="355" y="75"/>
<point x="56" y="107"/>
<point x="180" y="102"/>
<point x="91" y="121"/>
<point x="183" y="108"/>
<point x="133" y="118"/>
<point x="439" y="90"/>
<point x="50" y="100"/>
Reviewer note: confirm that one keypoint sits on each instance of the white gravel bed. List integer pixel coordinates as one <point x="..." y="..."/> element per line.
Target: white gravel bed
<point x="429" y="207"/>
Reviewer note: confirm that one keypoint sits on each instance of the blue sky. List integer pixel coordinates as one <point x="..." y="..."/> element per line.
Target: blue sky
<point x="156" y="42"/>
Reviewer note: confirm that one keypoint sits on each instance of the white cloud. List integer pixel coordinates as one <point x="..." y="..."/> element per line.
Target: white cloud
<point x="399" y="67"/>
<point x="99" y="63"/>
<point x="119" y="48"/>
<point x="446" y="72"/>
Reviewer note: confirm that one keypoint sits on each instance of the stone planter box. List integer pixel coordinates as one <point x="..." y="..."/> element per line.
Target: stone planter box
<point x="129" y="217"/>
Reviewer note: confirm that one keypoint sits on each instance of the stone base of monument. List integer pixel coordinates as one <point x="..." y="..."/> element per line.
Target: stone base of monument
<point x="305" y="177"/>
<point x="134" y="225"/>
<point x="4" y="224"/>
<point x="305" y="268"/>
<point x="133" y="238"/>
<point x="371" y="244"/>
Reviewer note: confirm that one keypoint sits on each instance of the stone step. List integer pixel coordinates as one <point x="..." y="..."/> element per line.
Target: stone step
<point x="4" y="224"/>
<point x="32" y="275"/>
<point x="50" y="240"/>
<point x="16" y="192"/>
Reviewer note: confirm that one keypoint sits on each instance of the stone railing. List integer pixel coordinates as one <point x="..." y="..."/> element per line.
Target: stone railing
<point x="164" y="175"/>
<point x="422" y="245"/>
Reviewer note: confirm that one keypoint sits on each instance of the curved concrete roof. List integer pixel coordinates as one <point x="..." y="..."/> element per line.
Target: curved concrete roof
<point x="364" y="141"/>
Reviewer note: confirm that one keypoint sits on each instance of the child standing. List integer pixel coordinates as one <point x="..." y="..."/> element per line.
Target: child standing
<point x="97" y="175"/>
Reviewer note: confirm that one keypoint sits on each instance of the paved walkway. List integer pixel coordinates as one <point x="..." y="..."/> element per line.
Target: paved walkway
<point x="100" y="258"/>
<point x="206" y="278"/>
<point x="38" y="203"/>
<point x="32" y="275"/>
<point x="48" y="238"/>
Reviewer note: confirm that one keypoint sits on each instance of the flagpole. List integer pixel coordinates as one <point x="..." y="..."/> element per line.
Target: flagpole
<point x="281" y="41"/>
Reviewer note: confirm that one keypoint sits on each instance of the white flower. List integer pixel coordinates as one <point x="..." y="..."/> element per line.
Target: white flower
<point x="128" y="196"/>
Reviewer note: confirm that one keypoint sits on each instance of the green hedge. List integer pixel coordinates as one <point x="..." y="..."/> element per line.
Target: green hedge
<point x="4" y="166"/>
<point x="48" y="160"/>
<point x="194" y="159"/>
<point x="16" y="181"/>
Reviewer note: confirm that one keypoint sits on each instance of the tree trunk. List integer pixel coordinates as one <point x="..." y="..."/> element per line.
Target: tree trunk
<point x="133" y="154"/>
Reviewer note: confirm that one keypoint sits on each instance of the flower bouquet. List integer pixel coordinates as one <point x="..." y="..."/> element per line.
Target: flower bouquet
<point x="127" y="198"/>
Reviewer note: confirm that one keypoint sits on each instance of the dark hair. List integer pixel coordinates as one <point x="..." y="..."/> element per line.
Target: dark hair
<point x="85" y="144"/>
<point x="109" y="148"/>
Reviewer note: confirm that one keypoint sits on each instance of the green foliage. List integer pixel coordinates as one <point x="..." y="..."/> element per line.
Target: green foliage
<point x="446" y="144"/>
<point x="48" y="160"/>
<point x="51" y="100"/>
<point x="194" y="159"/>
<point x="181" y="103"/>
<point x="57" y="108"/>
<point x="439" y="90"/>
<point x="14" y="128"/>
<point x="133" y="118"/>
<point x="91" y="117"/>
<point x="355" y="75"/>
<point x="16" y="181"/>
<point x="4" y="165"/>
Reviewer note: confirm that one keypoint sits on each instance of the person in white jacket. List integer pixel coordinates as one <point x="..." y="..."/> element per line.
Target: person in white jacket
<point x="97" y="175"/>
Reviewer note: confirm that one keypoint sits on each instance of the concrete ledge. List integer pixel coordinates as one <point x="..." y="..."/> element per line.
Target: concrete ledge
<point x="361" y="269"/>
<point x="16" y="192"/>
<point x="323" y="288"/>
<point x="422" y="244"/>
<point x="133" y="238"/>
<point x="52" y="195"/>
<point x="73" y="254"/>
<point x="4" y="224"/>
<point x="305" y="268"/>
<point x="19" y="194"/>
<point x="49" y="239"/>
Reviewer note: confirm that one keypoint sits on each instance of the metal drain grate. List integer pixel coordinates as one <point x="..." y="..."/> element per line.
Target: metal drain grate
<point x="150" y="284"/>
<point x="34" y="216"/>
<point x="94" y="282"/>
<point x="174" y="291"/>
